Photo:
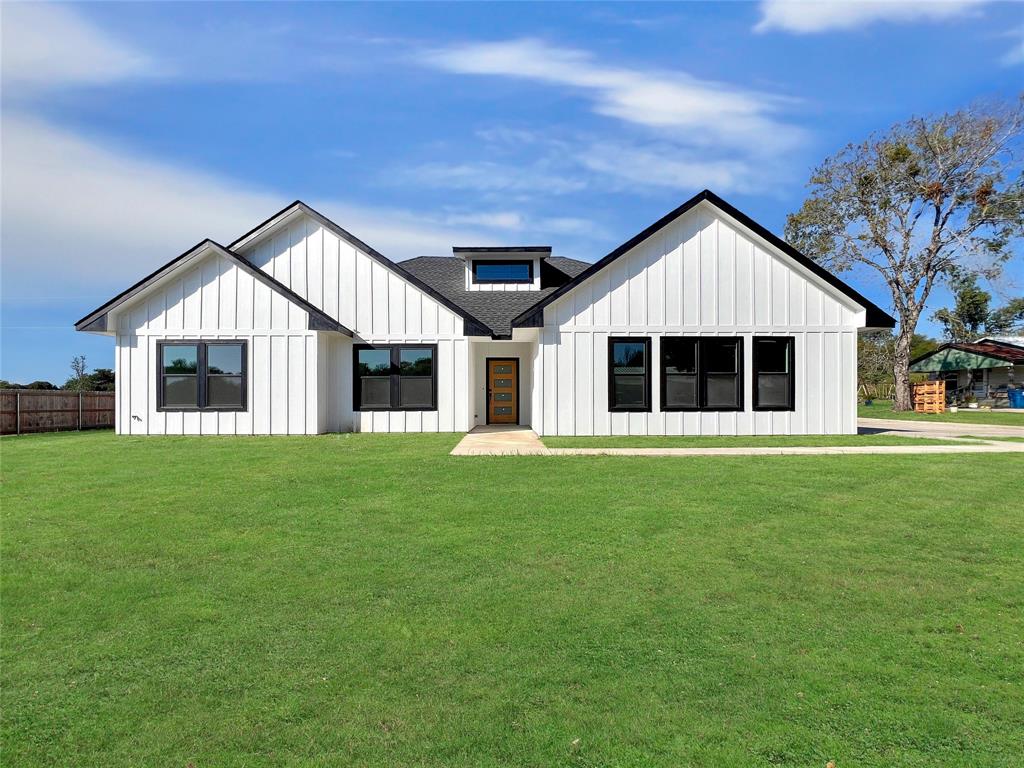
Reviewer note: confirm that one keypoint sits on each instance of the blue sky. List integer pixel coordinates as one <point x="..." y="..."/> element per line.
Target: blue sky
<point x="132" y="131"/>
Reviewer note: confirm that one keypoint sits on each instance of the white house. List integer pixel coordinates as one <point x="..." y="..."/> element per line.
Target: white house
<point x="705" y="323"/>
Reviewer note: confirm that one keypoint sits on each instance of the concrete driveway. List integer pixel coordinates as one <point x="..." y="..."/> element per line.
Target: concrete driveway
<point x="910" y="428"/>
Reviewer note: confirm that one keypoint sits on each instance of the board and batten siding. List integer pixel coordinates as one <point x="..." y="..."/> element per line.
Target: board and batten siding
<point x="381" y="307"/>
<point x="216" y="299"/>
<point x="704" y="274"/>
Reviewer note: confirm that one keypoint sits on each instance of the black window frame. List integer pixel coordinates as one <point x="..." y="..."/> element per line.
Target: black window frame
<point x="201" y="375"/>
<point x="395" y="376"/>
<point x="505" y="262"/>
<point x="755" y="370"/>
<point x="702" y="374"/>
<point x="646" y="407"/>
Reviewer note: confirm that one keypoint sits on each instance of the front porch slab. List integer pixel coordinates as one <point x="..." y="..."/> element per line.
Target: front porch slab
<point x="500" y="440"/>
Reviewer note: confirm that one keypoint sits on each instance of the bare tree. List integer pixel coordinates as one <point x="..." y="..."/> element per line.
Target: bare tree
<point x="79" y="375"/>
<point x="927" y="200"/>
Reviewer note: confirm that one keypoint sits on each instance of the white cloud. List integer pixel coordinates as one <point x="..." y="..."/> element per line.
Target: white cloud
<point x="665" y="166"/>
<point x="1015" y="55"/>
<point x="524" y="224"/>
<point x="803" y="17"/>
<point x="489" y="177"/>
<point x="511" y="220"/>
<point x="675" y="131"/>
<point x="47" y="45"/>
<point x="561" y="166"/>
<point x="712" y="113"/>
<point x="80" y="217"/>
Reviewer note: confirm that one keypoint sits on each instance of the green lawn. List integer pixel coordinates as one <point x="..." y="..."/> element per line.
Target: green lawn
<point x="369" y="600"/>
<point x="762" y="441"/>
<point x="882" y="409"/>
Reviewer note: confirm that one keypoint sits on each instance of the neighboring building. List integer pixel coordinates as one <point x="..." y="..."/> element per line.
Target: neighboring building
<point x="986" y="368"/>
<point x="705" y="323"/>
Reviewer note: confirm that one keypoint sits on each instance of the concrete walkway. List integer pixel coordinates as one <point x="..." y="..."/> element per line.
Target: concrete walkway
<point x="523" y="441"/>
<point x="988" y="447"/>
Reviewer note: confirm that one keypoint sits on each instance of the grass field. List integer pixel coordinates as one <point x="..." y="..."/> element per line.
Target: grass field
<point x="882" y="409"/>
<point x="730" y="441"/>
<point x="369" y="600"/>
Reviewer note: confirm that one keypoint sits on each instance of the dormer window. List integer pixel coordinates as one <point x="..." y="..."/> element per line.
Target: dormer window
<point x="489" y="271"/>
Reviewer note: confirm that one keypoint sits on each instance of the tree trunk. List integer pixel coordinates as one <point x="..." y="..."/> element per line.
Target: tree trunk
<point x="901" y="369"/>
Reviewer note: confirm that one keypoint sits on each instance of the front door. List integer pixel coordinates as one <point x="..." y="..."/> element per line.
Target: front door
<point x="502" y="391"/>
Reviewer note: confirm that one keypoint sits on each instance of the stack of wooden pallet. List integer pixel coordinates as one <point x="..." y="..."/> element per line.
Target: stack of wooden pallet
<point x="929" y="397"/>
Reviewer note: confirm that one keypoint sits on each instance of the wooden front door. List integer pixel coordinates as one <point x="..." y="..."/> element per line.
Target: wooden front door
<point x="502" y="391"/>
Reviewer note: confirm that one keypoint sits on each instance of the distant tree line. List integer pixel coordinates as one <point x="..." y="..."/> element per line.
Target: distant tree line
<point x="100" y="380"/>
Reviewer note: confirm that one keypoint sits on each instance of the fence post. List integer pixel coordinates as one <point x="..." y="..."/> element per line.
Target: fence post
<point x="17" y="413"/>
<point x="79" y="410"/>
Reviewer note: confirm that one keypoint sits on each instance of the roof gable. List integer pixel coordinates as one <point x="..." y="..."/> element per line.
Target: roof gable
<point x="473" y="325"/>
<point x="875" y="316"/>
<point x="96" y="321"/>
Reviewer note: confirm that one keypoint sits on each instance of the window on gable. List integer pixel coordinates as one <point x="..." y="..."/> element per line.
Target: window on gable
<point x="202" y="375"/>
<point x="629" y="374"/>
<point x="701" y="373"/>
<point x="774" y="358"/>
<point x="393" y="377"/>
<point x="502" y="271"/>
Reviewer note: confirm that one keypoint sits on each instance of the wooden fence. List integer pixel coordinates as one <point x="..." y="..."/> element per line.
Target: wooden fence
<point x="41" y="410"/>
<point x="929" y="396"/>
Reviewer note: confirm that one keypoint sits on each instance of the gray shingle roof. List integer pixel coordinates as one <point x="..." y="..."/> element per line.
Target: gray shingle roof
<point x="447" y="276"/>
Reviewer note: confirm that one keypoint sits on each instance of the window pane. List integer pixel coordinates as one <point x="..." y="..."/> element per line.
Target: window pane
<point x="629" y="390"/>
<point x="375" y="391"/>
<point x="773" y="390"/>
<point x="502" y="271"/>
<point x="719" y="356"/>
<point x="628" y="357"/>
<point x="224" y="358"/>
<point x="503" y="383"/>
<point x="722" y="391"/>
<point x="680" y="355"/>
<point x="181" y="358"/>
<point x="773" y="355"/>
<point x="681" y="391"/>
<point x="413" y="392"/>
<point x="374" y="362"/>
<point x="502" y="369"/>
<point x="180" y="392"/>
<point x="503" y="410"/>
<point x="502" y="396"/>
<point x="415" y="362"/>
<point x="224" y="391"/>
